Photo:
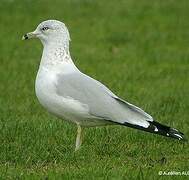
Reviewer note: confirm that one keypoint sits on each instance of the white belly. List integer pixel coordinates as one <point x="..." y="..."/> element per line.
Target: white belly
<point x="64" y="107"/>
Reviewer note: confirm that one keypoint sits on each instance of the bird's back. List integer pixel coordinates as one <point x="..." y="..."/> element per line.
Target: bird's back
<point x="100" y="101"/>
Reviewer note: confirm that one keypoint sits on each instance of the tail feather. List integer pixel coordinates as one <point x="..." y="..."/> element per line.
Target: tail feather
<point x="159" y="129"/>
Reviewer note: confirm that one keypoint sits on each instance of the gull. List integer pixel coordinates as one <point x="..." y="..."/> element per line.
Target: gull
<point x="71" y="95"/>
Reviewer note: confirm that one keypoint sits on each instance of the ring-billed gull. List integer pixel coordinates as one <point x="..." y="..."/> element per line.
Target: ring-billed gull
<point x="71" y="95"/>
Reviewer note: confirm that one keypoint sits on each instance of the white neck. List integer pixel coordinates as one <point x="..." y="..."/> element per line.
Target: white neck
<point x="55" y="55"/>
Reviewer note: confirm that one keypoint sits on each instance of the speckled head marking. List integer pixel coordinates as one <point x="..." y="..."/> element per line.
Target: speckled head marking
<point x="55" y="38"/>
<point x="50" y="31"/>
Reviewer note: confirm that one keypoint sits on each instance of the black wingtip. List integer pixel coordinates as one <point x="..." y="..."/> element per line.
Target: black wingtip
<point x="168" y="131"/>
<point x="174" y="133"/>
<point x="160" y="129"/>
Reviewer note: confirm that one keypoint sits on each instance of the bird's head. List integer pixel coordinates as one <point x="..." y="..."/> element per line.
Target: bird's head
<point x="50" y="31"/>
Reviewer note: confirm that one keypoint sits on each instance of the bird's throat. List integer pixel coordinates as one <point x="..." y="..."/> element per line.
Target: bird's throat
<point x="55" y="55"/>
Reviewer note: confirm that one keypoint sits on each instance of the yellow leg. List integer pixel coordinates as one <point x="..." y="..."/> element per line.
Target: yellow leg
<point x="78" y="138"/>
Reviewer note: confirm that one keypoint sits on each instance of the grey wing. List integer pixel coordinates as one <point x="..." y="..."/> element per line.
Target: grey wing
<point x="101" y="102"/>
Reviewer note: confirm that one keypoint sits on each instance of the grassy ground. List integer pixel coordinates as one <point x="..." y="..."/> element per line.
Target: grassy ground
<point x="139" y="49"/>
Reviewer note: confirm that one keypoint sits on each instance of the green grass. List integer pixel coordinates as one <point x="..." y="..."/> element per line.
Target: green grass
<point x="139" y="49"/>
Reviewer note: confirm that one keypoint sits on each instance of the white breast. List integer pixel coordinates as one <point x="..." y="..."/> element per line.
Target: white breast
<point x="65" y="107"/>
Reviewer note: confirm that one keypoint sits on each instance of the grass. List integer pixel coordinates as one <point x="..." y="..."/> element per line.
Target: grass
<point x="139" y="49"/>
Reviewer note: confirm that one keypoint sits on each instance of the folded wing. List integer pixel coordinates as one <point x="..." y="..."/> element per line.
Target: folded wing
<point x="101" y="102"/>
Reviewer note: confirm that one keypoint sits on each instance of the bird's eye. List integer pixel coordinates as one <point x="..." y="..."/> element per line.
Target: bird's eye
<point x="44" y="28"/>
